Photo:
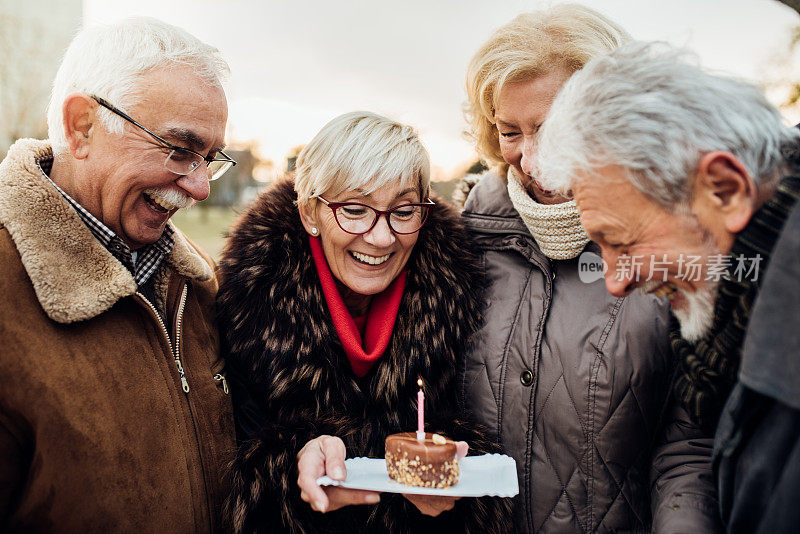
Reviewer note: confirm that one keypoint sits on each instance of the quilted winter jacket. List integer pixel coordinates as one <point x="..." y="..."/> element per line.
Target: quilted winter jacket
<point x="96" y="432"/>
<point x="575" y="385"/>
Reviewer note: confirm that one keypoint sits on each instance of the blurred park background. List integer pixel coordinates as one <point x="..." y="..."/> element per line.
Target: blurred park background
<point x="296" y="65"/>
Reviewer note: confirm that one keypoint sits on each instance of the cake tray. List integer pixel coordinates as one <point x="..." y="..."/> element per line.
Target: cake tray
<point x="487" y="475"/>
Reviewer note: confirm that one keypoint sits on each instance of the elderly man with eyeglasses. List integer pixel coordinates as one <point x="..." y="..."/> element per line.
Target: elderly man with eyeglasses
<point x="114" y="411"/>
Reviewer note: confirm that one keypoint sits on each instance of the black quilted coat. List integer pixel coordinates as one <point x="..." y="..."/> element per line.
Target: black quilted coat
<point x="292" y="381"/>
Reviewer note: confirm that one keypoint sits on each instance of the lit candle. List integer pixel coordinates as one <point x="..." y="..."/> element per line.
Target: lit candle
<point x="420" y="412"/>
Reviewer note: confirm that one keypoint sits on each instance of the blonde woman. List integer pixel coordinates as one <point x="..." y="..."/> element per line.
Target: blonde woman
<point x="573" y="383"/>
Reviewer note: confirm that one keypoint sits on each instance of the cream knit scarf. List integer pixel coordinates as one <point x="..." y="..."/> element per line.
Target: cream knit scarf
<point x="556" y="228"/>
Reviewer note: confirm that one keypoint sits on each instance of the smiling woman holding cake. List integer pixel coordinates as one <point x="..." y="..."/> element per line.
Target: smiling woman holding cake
<point x="338" y="291"/>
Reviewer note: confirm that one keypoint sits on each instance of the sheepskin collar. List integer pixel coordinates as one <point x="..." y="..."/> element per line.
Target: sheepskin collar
<point x="74" y="276"/>
<point x="278" y="332"/>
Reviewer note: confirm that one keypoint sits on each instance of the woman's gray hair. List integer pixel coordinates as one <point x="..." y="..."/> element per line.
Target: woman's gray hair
<point x="361" y="151"/>
<point x="108" y="60"/>
<point x="650" y="109"/>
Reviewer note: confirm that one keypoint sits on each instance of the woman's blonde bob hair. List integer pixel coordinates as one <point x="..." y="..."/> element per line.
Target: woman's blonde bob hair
<point x="361" y="151"/>
<point x="532" y="44"/>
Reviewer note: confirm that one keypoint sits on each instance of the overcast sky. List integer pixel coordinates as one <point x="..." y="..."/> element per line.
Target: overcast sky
<point x="297" y="64"/>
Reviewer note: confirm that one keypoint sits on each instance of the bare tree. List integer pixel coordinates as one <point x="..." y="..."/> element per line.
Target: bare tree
<point x="24" y="81"/>
<point x="793" y="97"/>
<point x="33" y="37"/>
<point x="779" y="74"/>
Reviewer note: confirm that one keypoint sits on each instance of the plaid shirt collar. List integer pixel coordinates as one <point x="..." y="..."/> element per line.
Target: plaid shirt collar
<point x="148" y="258"/>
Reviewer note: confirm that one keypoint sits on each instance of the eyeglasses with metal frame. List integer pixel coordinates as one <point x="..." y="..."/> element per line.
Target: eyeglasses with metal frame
<point x="180" y="160"/>
<point x="357" y="218"/>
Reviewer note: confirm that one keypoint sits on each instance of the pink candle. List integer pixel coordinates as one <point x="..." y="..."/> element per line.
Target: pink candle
<point x="420" y="412"/>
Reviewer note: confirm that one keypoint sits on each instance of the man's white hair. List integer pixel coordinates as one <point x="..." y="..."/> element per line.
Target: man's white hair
<point x="364" y="151"/>
<point x="109" y="60"/>
<point x="647" y="109"/>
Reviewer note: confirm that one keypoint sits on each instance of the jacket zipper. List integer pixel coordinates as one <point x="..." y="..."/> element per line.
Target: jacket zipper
<point x="174" y="347"/>
<point x="548" y="297"/>
<point x="185" y="385"/>
<point x="219" y="377"/>
<point x="178" y="325"/>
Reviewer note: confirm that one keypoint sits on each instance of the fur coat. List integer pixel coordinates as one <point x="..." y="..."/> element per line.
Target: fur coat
<point x="292" y="381"/>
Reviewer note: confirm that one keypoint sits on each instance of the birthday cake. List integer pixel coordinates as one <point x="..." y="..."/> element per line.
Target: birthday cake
<point x="429" y="463"/>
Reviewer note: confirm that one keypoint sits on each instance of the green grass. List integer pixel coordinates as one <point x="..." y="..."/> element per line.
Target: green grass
<point x="206" y="226"/>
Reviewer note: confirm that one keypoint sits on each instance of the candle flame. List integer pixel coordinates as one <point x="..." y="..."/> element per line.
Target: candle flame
<point x="419" y="382"/>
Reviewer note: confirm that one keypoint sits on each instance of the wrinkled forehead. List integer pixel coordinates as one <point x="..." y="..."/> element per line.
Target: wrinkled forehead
<point x="603" y="190"/>
<point x="182" y="107"/>
<point x="601" y="183"/>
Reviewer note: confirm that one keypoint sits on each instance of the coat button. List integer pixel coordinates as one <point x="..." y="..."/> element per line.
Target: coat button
<point x="526" y="377"/>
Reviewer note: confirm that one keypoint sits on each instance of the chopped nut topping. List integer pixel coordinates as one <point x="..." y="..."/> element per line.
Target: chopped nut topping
<point x="415" y="473"/>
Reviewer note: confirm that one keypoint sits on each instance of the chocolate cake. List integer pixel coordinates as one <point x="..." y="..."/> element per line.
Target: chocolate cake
<point x="431" y="463"/>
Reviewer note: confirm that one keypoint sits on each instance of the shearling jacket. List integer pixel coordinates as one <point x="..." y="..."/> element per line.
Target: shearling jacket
<point x="575" y="385"/>
<point x="295" y="382"/>
<point x="96" y="432"/>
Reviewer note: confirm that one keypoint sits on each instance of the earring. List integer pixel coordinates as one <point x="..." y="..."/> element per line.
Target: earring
<point x="314" y="230"/>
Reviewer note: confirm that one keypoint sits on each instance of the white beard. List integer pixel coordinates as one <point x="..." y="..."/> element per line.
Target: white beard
<point x="697" y="316"/>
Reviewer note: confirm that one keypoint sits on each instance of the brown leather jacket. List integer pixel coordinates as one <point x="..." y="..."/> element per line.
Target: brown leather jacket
<point x="575" y="385"/>
<point x="96" y="432"/>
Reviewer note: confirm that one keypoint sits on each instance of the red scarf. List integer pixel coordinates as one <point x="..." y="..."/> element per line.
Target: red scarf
<point x="380" y="317"/>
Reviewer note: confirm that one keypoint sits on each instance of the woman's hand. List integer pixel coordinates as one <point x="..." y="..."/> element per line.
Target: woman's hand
<point x="325" y="456"/>
<point x="434" y="505"/>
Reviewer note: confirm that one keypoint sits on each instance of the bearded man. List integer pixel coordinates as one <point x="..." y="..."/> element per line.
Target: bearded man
<point x="682" y="178"/>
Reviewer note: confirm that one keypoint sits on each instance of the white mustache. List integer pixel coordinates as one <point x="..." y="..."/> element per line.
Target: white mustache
<point x="170" y="197"/>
